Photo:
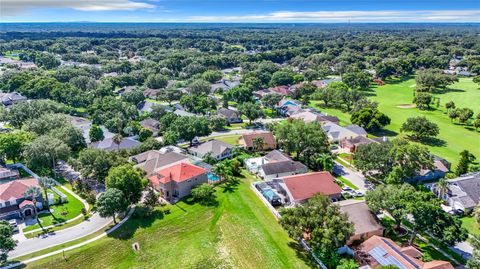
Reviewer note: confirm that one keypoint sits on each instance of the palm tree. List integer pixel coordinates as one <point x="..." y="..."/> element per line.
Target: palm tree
<point x="33" y="192"/>
<point x="222" y="170"/>
<point x="258" y="144"/>
<point x="441" y="188"/>
<point x="46" y="183"/>
<point x="325" y="161"/>
<point x="117" y="139"/>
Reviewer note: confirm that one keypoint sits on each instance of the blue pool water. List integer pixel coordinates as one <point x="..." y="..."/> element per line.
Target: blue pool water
<point x="269" y="194"/>
<point x="213" y="177"/>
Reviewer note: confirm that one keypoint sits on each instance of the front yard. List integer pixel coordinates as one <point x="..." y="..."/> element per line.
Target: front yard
<point x="229" y="139"/>
<point x="471" y="224"/>
<point x="239" y="232"/>
<point x="59" y="213"/>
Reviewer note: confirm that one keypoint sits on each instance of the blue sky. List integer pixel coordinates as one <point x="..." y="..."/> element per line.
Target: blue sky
<point x="240" y="11"/>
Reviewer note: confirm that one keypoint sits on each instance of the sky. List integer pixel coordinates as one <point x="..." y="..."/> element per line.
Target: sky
<point x="240" y="11"/>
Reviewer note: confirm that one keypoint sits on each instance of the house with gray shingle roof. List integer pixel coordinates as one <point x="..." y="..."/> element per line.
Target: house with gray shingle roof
<point x="151" y="124"/>
<point x="108" y="144"/>
<point x="273" y="170"/>
<point x="230" y="115"/>
<point x="338" y="133"/>
<point x="218" y="149"/>
<point x="464" y="191"/>
<point x="11" y="98"/>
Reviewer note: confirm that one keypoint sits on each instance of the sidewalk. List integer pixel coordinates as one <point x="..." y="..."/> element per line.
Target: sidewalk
<point x="85" y="228"/>
<point x="71" y="247"/>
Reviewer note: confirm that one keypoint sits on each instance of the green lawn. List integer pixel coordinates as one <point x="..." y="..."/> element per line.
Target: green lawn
<point x="471" y="224"/>
<point x="236" y="126"/>
<point x="453" y="138"/>
<point x="8" y="54"/>
<point x="229" y="139"/>
<point x="239" y="232"/>
<point x="346" y="182"/>
<point x="60" y="213"/>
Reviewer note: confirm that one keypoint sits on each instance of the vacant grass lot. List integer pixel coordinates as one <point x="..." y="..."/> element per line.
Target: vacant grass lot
<point x="453" y="138"/>
<point x="229" y="139"/>
<point x="239" y="232"/>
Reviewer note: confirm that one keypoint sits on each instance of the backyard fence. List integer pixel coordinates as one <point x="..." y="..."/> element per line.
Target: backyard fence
<point x="309" y="250"/>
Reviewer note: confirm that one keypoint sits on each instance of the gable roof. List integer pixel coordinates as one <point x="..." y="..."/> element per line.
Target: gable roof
<point x="178" y="173"/>
<point x="336" y="131"/>
<point x="151" y="124"/>
<point x="466" y="189"/>
<point x="109" y="145"/>
<point x="360" y="215"/>
<point x="268" y="138"/>
<point x="227" y="113"/>
<point x="215" y="147"/>
<point x="273" y="168"/>
<point x="282" y="90"/>
<point x="276" y="156"/>
<point x="15" y="189"/>
<point x="305" y="186"/>
<point x="12" y="97"/>
<point x="292" y="102"/>
<point x="183" y="113"/>
<point x="359" y="140"/>
<point x="356" y="129"/>
<point x="310" y="116"/>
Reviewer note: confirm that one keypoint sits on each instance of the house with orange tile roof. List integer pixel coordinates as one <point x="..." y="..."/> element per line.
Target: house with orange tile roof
<point x="379" y="251"/>
<point x="177" y="181"/>
<point x="13" y="203"/>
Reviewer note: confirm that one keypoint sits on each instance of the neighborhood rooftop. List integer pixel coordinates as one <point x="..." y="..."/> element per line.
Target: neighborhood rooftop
<point x="178" y="173"/>
<point x="305" y="186"/>
<point x="282" y="167"/>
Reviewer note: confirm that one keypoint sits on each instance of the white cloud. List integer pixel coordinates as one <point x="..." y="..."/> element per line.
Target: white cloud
<point x="16" y="7"/>
<point x="353" y="16"/>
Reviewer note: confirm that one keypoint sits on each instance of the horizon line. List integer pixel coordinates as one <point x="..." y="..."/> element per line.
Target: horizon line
<point x="267" y="22"/>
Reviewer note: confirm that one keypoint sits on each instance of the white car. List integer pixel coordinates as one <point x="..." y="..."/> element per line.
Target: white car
<point x="13" y="224"/>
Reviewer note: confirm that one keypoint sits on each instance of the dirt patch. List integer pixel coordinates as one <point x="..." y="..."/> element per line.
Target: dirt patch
<point x="406" y="106"/>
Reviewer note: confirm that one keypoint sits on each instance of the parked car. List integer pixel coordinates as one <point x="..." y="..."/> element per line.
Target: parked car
<point x="457" y="212"/>
<point x="13" y="223"/>
<point x="359" y="193"/>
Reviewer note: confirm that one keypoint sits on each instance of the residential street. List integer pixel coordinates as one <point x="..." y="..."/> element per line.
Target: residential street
<point x="356" y="178"/>
<point x="85" y="228"/>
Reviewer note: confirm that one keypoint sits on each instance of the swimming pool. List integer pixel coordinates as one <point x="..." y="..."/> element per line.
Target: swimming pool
<point x="212" y="177"/>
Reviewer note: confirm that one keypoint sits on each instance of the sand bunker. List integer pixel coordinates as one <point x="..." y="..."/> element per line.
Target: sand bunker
<point x="406" y="106"/>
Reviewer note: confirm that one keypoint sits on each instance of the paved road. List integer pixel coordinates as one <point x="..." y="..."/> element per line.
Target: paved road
<point x="85" y="228"/>
<point x="356" y="178"/>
